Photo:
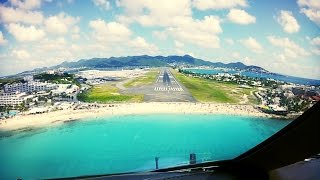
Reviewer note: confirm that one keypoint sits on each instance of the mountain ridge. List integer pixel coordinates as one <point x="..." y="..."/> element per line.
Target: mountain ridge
<point x="153" y="61"/>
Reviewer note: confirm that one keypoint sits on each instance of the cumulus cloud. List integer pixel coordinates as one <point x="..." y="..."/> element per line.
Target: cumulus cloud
<point x="140" y="46"/>
<point x="26" y="4"/>
<point x="48" y="45"/>
<point x="20" y="54"/>
<point x="60" y="24"/>
<point x="229" y="41"/>
<point x="110" y="32"/>
<point x="290" y="48"/>
<point x="116" y="38"/>
<point x="161" y="35"/>
<point x="288" y="22"/>
<point x="15" y="15"/>
<point x="252" y="44"/>
<point x="240" y="17"/>
<point x="25" y="33"/>
<point x="75" y="33"/>
<point x="310" y="3"/>
<point x="315" y="41"/>
<point x="248" y="61"/>
<point x="176" y="18"/>
<point x="3" y="41"/>
<point x="159" y="13"/>
<point x="284" y="65"/>
<point x="202" y="33"/>
<point x="314" y="15"/>
<point x="311" y="8"/>
<point x="103" y="4"/>
<point x="218" y="4"/>
<point x="178" y="44"/>
<point x="316" y="51"/>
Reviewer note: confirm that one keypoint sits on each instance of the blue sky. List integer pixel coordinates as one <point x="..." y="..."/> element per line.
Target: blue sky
<point x="280" y="36"/>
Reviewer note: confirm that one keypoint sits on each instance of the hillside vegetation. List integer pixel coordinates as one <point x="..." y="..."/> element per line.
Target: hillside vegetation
<point x="64" y="78"/>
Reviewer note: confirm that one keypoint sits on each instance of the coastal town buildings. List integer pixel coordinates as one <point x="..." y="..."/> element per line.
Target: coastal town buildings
<point x="30" y="86"/>
<point x="13" y="98"/>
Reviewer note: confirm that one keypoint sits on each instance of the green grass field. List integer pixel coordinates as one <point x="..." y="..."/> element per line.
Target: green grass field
<point x="146" y="79"/>
<point x="205" y="90"/>
<point x="107" y="94"/>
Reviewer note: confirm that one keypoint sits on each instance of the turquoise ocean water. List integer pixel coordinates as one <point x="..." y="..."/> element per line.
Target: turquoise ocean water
<point x="129" y="143"/>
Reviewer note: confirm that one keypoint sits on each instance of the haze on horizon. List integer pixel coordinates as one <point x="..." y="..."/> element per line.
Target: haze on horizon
<point x="280" y="36"/>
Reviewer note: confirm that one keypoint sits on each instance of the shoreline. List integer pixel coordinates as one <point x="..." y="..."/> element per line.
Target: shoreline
<point x="64" y="116"/>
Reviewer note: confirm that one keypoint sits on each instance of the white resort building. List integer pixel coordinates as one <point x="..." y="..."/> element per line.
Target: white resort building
<point x="30" y="86"/>
<point x="13" y="99"/>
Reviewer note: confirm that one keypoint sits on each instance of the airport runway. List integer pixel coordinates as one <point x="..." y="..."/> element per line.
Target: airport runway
<point x="166" y="88"/>
<point x="167" y="82"/>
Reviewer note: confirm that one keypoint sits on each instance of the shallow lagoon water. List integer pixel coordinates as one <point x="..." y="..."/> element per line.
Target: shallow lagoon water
<point x="129" y="143"/>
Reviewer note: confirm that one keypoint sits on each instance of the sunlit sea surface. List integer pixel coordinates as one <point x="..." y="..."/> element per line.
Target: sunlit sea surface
<point x="129" y="143"/>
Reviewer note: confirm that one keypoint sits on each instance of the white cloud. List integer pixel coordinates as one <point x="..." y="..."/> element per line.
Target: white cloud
<point x="288" y="22"/>
<point x="314" y="15"/>
<point x="283" y="65"/>
<point x="25" y="33"/>
<point x="248" y="61"/>
<point x="26" y="4"/>
<point x="311" y="8"/>
<point x="252" y="44"/>
<point x="176" y="18"/>
<point x="178" y="48"/>
<point x="60" y="24"/>
<point x="240" y="17"/>
<point x="3" y="41"/>
<point x="315" y="4"/>
<point x="140" y="46"/>
<point x="316" y="46"/>
<point x="15" y="15"/>
<point x="229" y="41"/>
<point x="161" y="35"/>
<point x="316" y="51"/>
<point x="47" y="45"/>
<point x="316" y="41"/>
<point x="109" y="32"/>
<point x="178" y="44"/>
<point x="103" y="4"/>
<point x="45" y="52"/>
<point x="218" y="4"/>
<point x="20" y="54"/>
<point x="159" y="13"/>
<point x="290" y="48"/>
<point x="202" y="33"/>
<point x="75" y="33"/>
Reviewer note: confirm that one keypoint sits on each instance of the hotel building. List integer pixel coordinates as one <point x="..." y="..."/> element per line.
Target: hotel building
<point x="13" y="99"/>
<point x="30" y="86"/>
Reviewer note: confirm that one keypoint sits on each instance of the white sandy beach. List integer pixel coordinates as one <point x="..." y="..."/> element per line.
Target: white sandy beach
<point x="57" y="117"/>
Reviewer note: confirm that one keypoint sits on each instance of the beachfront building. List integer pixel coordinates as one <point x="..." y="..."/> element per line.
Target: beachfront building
<point x="13" y="99"/>
<point x="31" y="86"/>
